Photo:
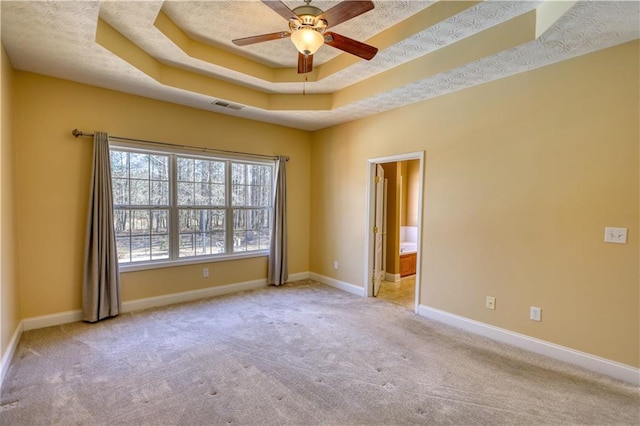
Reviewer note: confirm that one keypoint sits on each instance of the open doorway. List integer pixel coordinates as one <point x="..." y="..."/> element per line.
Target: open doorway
<point x="394" y="228"/>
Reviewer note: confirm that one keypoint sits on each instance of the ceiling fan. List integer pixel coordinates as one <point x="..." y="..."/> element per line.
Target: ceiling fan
<point x="308" y="30"/>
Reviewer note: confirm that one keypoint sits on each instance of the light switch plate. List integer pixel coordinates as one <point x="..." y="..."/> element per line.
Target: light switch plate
<point x="615" y="235"/>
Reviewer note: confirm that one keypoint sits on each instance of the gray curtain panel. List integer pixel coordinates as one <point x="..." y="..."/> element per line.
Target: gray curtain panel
<point x="101" y="278"/>
<point x="278" y="273"/>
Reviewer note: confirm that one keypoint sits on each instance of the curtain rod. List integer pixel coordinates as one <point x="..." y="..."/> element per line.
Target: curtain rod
<point x="77" y="133"/>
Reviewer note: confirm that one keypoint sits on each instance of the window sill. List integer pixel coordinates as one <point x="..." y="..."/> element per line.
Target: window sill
<point x="143" y="266"/>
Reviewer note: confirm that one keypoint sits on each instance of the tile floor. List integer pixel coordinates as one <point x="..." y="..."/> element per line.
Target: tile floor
<point x="401" y="293"/>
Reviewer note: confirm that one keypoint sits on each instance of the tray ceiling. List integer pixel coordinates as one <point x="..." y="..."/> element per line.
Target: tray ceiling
<point x="181" y="51"/>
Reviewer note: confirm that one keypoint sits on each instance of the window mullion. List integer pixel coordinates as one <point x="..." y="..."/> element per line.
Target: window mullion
<point x="174" y="229"/>
<point x="228" y="211"/>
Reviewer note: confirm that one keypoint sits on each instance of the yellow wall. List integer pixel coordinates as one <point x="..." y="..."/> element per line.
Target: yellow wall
<point x="391" y="174"/>
<point x="53" y="171"/>
<point x="9" y="304"/>
<point x="402" y="167"/>
<point x="522" y="175"/>
<point x="410" y="172"/>
<point x="413" y="191"/>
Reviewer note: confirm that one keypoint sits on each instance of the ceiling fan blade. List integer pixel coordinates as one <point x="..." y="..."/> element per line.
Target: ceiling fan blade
<point x="281" y="9"/>
<point x="350" y="45"/>
<point x="305" y="63"/>
<point x="260" y="38"/>
<point x="344" y="11"/>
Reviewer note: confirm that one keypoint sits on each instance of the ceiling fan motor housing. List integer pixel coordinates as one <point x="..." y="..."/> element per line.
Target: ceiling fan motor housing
<point x="307" y="18"/>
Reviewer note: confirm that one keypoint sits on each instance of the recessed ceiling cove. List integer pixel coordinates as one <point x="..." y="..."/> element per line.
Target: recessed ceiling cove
<point x="183" y="51"/>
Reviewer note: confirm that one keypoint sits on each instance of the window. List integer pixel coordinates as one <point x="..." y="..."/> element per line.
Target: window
<point x="201" y="206"/>
<point x="176" y="206"/>
<point x="251" y="189"/>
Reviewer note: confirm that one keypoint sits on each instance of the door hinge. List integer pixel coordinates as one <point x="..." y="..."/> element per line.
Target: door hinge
<point x="375" y="229"/>
<point x="377" y="179"/>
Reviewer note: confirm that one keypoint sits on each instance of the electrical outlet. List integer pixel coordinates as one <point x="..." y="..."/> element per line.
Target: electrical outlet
<point x="615" y="235"/>
<point x="535" y="314"/>
<point x="205" y="272"/>
<point x="491" y="302"/>
<point x="335" y="264"/>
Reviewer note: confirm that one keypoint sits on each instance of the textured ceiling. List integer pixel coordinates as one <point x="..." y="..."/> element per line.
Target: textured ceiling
<point x="441" y="52"/>
<point x="230" y="22"/>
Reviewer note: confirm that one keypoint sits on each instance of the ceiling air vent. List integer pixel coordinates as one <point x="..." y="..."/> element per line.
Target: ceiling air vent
<point x="228" y="105"/>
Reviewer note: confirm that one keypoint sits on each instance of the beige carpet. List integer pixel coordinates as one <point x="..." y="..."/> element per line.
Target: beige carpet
<point x="298" y="355"/>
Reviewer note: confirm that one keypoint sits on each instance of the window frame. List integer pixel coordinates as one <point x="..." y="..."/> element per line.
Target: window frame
<point x="174" y="208"/>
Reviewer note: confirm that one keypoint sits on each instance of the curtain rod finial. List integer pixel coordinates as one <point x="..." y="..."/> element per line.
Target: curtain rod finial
<point x="76" y="132"/>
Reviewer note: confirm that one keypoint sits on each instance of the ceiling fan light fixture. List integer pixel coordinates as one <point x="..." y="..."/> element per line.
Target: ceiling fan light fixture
<point x="307" y="40"/>
<point x="308" y="30"/>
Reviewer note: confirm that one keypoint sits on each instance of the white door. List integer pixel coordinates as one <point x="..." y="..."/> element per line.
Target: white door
<point x="377" y="231"/>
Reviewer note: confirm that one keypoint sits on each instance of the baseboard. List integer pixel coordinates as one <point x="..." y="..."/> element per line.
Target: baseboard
<point x="11" y="350"/>
<point x="394" y="278"/>
<point x="349" y="288"/>
<point x="152" y="302"/>
<point x="186" y="296"/>
<point x="594" y="363"/>
<point x="298" y="276"/>
<point x="50" y="320"/>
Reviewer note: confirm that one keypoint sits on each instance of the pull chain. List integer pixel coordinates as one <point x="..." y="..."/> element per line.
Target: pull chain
<point x="304" y="85"/>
